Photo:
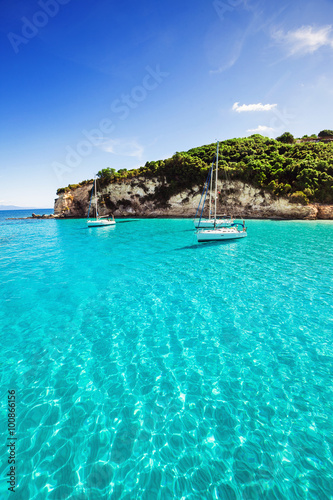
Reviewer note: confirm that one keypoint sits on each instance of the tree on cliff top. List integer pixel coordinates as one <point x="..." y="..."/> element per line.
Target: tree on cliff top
<point x="326" y="133"/>
<point x="106" y="174"/>
<point x="287" y="138"/>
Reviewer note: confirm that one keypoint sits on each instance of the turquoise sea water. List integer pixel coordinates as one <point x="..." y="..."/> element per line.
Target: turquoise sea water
<point x="147" y="366"/>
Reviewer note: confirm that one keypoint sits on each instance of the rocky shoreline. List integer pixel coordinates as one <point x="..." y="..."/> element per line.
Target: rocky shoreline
<point x="36" y="216"/>
<point x="138" y="198"/>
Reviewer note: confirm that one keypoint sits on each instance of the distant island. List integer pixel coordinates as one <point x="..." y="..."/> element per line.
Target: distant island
<point x="259" y="177"/>
<point x="15" y="207"/>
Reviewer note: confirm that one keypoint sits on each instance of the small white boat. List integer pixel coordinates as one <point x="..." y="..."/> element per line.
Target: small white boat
<point x="99" y="221"/>
<point x="227" y="230"/>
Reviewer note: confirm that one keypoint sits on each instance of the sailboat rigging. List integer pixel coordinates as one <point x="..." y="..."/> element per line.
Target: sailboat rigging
<point x="210" y="221"/>
<point x="99" y="220"/>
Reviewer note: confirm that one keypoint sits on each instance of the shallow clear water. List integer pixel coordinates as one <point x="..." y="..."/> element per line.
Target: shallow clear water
<point x="147" y="366"/>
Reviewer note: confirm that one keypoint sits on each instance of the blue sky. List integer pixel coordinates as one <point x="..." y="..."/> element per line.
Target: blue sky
<point x="94" y="84"/>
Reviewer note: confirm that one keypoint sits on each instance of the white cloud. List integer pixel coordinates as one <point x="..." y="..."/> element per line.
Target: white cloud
<point x="123" y="147"/>
<point x="253" y="107"/>
<point x="305" y="40"/>
<point x="261" y="129"/>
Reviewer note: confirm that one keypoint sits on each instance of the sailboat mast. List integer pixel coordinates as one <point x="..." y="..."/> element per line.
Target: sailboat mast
<point x="96" y="198"/>
<point x="210" y="194"/>
<point x="216" y="175"/>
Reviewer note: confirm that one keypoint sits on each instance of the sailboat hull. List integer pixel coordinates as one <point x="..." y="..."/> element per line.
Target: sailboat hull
<point x="220" y="234"/>
<point x="100" y="222"/>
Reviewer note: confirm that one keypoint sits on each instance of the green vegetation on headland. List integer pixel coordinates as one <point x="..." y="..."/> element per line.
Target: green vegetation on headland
<point x="301" y="170"/>
<point x="70" y="187"/>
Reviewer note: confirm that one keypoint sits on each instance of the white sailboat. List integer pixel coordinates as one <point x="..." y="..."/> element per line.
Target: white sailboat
<point x="229" y="230"/>
<point x="99" y="221"/>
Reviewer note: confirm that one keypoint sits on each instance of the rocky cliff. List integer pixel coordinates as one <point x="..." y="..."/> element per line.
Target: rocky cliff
<point x="141" y="197"/>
